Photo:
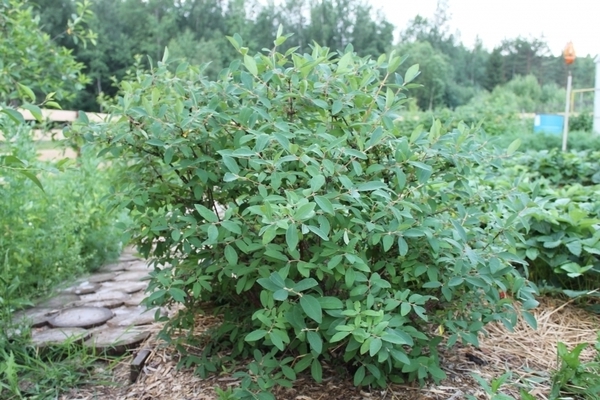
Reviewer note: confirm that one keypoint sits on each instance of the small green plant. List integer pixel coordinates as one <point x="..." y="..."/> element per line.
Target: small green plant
<point x="575" y="377"/>
<point x="492" y="389"/>
<point x="227" y="394"/>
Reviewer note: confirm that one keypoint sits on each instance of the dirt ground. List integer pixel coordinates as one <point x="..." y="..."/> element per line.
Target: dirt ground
<point x="529" y="354"/>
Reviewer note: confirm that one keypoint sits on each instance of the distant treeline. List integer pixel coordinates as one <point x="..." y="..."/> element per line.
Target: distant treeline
<point x="452" y="73"/>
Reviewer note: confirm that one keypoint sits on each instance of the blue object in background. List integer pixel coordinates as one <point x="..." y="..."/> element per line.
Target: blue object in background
<point x="548" y="123"/>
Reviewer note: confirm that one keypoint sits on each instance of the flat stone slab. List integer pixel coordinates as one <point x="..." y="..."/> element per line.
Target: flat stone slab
<point x="139" y="266"/>
<point x="108" y="303"/>
<point x="116" y="340"/>
<point x="99" y="278"/>
<point x="34" y="317"/>
<point x="81" y="317"/>
<point x="116" y="267"/>
<point x="136" y="299"/>
<point x="128" y="257"/>
<point x="83" y="288"/>
<point x="60" y="301"/>
<point x="134" y="316"/>
<point x="105" y="295"/>
<point x="124" y="286"/>
<point x="58" y="336"/>
<point x="134" y="276"/>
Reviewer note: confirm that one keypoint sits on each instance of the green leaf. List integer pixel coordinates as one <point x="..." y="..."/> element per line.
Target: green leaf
<point x="336" y="107"/>
<point x="316" y="343"/>
<point x="277" y="280"/>
<point x="513" y="146"/>
<point x="250" y="64"/>
<point x="53" y="104"/>
<point x="373" y="185"/>
<point x="207" y="214"/>
<point x="305" y="284"/>
<point x="32" y="178"/>
<point x="316" y="371"/>
<point x="403" y="246"/>
<point x="575" y="247"/>
<point x="234" y="42"/>
<point x="269" y="234"/>
<point x="304" y="212"/>
<point x="281" y="295"/>
<point x="405" y="309"/>
<point x="318" y="232"/>
<point x="359" y="375"/>
<point x="411" y="73"/>
<point x="291" y="237"/>
<point x="330" y="303"/>
<point x="303" y="363"/>
<point x="277" y="338"/>
<point x="231" y="227"/>
<point x="397" y="337"/>
<point x="312" y="308"/>
<point x="387" y="241"/>
<point x="344" y="63"/>
<point x="155" y="142"/>
<point x="177" y="294"/>
<point x="375" y="346"/>
<point x="231" y="255"/>
<point x="213" y="234"/>
<point x="26" y="91"/>
<point x="325" y="204"/>
<point x="338" y="336"/>
<point x="231" y="165"/>
<point x="530" y="319"/>
<point x="268" y="284"/>
<point x="288" y="372"/>
<point x="14" y="115"/>
<point x="255" y="335"/>
<point x="35" y="111"/>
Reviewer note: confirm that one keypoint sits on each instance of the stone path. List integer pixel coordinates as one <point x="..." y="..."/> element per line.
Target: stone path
<point x="101" y="310"/>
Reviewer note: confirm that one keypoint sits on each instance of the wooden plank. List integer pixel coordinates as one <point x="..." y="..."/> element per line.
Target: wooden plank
<point x="137" y="364"/>
<point x="52" y="115"/>
<point x="63" y="115"/>
<point x="39" y="134"/>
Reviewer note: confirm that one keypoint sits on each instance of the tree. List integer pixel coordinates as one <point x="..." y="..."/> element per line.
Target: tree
<point x="524" y="56"/>
<point x="336" y="24"/>
<point x="436" y="73"/>
<point x="494" y="70"/>
<point x="30" y="58"/>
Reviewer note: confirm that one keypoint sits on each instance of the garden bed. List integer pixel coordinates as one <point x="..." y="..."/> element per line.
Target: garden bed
<point x="529" y="354"/>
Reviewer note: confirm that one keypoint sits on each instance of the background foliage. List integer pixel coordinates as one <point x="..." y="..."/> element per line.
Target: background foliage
<point x="453" y="72"/>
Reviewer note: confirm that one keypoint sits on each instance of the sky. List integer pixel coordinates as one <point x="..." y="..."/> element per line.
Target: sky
<point x="559" y="21"/>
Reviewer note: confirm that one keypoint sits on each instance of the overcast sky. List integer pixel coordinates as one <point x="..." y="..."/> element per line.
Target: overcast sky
<point x="560" y="21"/>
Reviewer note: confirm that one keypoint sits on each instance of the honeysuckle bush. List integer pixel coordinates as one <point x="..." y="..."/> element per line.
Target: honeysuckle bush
<point x="284" y="198"/>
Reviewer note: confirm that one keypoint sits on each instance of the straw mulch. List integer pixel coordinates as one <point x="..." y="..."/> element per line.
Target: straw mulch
<point x="529" y="354"/>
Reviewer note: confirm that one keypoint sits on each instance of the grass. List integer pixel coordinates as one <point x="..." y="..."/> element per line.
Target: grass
<point x="27" y="372"/>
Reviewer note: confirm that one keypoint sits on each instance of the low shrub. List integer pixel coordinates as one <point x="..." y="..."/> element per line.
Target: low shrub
<point x="562" y="245"/>
<point x="577" y="141"/>
<point x="284" y="194"/>
<point x="562" y="168"/>
<point x="561" y="240"/>
<point x="583" y="122"/>
<point x="52" y="234"/>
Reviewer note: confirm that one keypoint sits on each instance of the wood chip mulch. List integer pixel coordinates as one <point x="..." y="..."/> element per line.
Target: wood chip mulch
<point x="529" y="354"/>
